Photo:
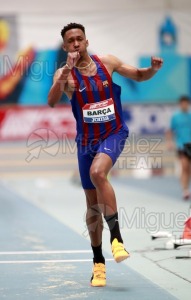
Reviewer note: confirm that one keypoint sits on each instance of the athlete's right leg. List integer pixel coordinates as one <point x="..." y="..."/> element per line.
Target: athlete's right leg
<point x="94" y="223"/>
<point x="94" y="219"/>
<point x="93" y="215"/>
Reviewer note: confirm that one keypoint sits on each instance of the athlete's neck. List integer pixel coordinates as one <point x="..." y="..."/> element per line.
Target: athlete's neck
<point x="84" y="62"/>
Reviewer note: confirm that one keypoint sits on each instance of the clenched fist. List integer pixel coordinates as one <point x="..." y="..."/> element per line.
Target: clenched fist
<point x="156" y="63"/>
<point x="72" y="59"/>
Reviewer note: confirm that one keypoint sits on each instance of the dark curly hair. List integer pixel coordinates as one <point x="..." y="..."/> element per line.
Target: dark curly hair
<point x="72" y="26"/>
<point x="184" y="98"/>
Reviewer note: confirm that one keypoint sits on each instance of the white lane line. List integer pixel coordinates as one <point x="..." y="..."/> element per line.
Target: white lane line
<point x="48" y="261"/>
<point x="44" y="252"/>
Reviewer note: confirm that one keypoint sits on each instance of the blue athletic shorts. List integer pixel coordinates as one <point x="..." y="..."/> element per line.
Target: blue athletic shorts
<point x="112" y="146"/>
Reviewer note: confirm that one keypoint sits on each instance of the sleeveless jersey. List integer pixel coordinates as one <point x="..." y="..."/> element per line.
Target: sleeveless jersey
<point x="96" y="105"/>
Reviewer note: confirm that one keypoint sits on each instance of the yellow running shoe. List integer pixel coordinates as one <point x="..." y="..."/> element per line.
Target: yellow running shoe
<point x="119" y="252"/>
<point x="98" y="275"/>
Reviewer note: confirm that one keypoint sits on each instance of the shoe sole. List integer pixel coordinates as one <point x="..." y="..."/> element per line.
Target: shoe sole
<point x="100" y="285"/>
<point x="121" y="258"/>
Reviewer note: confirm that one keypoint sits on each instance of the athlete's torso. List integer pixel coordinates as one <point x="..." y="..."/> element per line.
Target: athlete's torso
<point x="96" y="104"/>
<point x="181" y="126"/>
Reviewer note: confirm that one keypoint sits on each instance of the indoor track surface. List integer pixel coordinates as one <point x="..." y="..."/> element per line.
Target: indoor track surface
<point x="45" y="250"/>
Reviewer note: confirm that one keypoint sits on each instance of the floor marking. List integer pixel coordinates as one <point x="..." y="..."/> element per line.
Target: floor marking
<point x="48" y="261"/>
<point x="44" y="252"/>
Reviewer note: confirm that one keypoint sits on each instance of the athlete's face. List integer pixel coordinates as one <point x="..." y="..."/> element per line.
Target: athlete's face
<point x="184" y="105"/>
<point x="75" y="40"/>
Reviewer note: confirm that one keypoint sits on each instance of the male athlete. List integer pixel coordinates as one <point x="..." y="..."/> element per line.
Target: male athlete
<point x="180" y="133"/>
<point x="101" y="132"/>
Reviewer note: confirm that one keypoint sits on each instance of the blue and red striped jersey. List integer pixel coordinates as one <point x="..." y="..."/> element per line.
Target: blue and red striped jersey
<point x="96" y="105"/>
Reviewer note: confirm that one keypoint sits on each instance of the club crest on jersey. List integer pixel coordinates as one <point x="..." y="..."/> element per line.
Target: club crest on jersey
<point x="105" y="83"/>
<point x="99" y="112"/>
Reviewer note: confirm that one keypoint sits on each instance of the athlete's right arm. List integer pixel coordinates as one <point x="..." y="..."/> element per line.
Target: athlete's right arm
<point x="60" y="82"/>
<point x="169" y="134"/>
<point x="59" y="85"/>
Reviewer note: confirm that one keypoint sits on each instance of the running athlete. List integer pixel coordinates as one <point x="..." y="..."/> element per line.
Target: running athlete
<point x="180" y="132"/>
<point x="101" y="132"/>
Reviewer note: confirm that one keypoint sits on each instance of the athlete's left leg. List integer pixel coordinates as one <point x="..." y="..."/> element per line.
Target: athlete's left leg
<point x="185" y="175"/>
<point x="100" y="168"/>
<point x="105" y="158"/>
<point x="107" y="154"/>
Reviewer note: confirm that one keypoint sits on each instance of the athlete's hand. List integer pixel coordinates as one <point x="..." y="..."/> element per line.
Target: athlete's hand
<point x="72" y="59"/>
<point x="156" y="63"/>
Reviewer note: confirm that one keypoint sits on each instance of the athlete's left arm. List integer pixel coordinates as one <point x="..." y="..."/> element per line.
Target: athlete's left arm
<point x="138" y="74"/>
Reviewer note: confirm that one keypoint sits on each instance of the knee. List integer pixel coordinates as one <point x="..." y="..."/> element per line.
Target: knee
<point x="97" y="176"/>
